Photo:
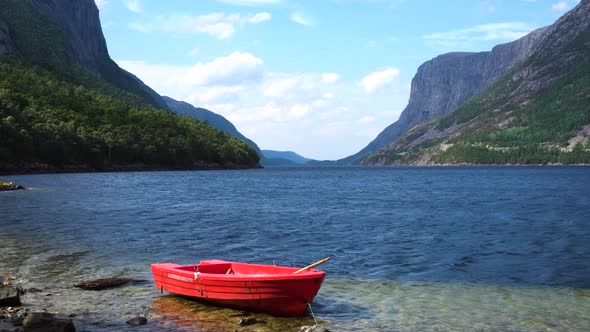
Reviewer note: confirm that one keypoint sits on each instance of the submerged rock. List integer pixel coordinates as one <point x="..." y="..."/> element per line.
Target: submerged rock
<point x="9" y="296"/>
<point x="137" y="321"/>
<point x="105" y="283"/>
<point x="46" y="322"/>
<point x="13" y="315"/>
<point x="315" y="328"/>
<point x="6" y="279"/>
<point x="34" y="290"/>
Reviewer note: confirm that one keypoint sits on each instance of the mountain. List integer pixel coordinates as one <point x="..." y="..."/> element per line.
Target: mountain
<point x="66" y="106"/>
<point x="213" y="119"/>
<point x="66" y="36"/>
<point x="285" y="157"/>
<point x="447" y="81"/>
<point x="536" y="112"/>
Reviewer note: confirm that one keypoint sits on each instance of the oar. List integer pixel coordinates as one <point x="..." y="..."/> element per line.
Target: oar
<point x="312" y="265"/>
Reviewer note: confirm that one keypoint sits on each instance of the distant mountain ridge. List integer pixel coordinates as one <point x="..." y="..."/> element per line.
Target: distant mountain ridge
<point x="447" y="81"/>
<point x="537" y="112"/>
<point x="287" y="157"/>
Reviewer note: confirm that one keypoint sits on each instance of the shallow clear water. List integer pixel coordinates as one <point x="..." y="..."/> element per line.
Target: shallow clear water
<point x="413" y="249"/>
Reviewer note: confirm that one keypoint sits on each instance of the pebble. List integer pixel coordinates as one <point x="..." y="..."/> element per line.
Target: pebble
<point x="137" y="321"/>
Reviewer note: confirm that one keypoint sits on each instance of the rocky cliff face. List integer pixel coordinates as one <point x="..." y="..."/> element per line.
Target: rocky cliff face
<point x="533" y="109"/>
<point x="6" y="44"/>
<point x="80" y="23"/>
<point x="43" y="24"/>
<point x="447" y="81"/>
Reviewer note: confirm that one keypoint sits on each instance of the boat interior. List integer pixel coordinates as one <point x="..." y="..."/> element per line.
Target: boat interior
<point x="222" y="267"/>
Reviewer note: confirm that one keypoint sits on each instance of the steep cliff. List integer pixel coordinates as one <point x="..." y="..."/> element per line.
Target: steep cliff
<point x="536" y="112"/>
<point x="66" y="34"/>
<point x="447" y="81"/>
<point x="6" y="44"/>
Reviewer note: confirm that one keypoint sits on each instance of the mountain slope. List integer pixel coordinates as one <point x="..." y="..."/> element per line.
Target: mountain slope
<point x="66" y="36"/>
<point x="537" y="112"/>
<point x="50" y="124"/>
<point x="213" y="119"/>
<point x="447" y="81"/>
<point x="66" y="106"/>
<point x="289" y="156"/>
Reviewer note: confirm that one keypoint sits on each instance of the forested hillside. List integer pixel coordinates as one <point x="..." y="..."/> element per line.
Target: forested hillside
<point x="46" y="118"/>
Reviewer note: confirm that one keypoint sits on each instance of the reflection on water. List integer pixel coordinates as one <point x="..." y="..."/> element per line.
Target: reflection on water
<point x="182" y="314"/>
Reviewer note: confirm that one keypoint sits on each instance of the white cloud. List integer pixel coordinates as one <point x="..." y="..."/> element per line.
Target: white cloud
<point x="216" y="94"/>
<point x="376" y="80"/>
<point x="216" y="24"/>
<point x="366" y="119"/>
<point x="281" y="87"/>
<point x="101" y="4"/>
<point x="133" y="5"/>
<point x="218" y="78"/>
<point x="303" y="19"/>
<point x="259" y="18"/>
<point x="274" y="109"/>
<point x="219" y="25"/>
<point x="483" y="32"/>
<point x="330" y="78"/>
<point x="299" y="111"/>
<point x="371" y="44"/>
<point x="193" y="52"/>
<point x="560" y="6"/>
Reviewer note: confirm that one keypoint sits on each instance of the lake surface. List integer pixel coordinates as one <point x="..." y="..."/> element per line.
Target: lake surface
<point x="413" y="249"/>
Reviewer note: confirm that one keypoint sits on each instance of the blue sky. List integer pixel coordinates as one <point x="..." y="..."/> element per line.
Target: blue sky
<point x="321" y="78"/>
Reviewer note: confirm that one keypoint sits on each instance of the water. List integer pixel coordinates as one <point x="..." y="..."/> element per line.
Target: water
<point x="413" y="249"/>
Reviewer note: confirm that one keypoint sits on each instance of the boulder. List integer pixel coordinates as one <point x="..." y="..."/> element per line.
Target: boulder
<point x="46" y="322"/>
<point x="137" y="321"/>
<point x="9" y="296"/>
<point x="106" y="283"/>
<point x="247" y="321"/>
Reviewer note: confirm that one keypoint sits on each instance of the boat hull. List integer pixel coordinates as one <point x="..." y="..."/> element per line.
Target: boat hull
<point x="260" y="288"/>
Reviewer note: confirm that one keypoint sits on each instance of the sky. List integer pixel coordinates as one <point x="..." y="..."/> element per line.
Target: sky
<point x="319" y="77"/>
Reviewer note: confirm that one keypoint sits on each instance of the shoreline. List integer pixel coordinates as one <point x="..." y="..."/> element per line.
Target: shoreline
<point x="475" y="165"/>
<point x="28" y="168"/>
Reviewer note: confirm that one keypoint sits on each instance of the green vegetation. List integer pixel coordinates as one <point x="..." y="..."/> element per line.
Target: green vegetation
<point x="490" y="99"/>
<point x="36" y="37"/>
<point x="41" y="42"/>
<point x="49" y="120"/>
<point x="540" y="129"/>
<point x="493" y="127"/>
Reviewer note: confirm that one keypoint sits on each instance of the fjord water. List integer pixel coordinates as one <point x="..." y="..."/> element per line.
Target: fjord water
<point x="413" y="249"/>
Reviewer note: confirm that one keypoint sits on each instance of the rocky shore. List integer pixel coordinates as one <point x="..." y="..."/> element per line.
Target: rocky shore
<point x="7" y="186"/>
<point x="22" y="311"/>
<point x="16" y="316"/>
<point x="38" y="168"/>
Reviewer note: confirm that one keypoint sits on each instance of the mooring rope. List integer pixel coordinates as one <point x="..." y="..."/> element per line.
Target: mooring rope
<point x="312" y="315"/>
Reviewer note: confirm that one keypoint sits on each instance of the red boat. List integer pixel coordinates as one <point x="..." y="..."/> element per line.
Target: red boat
<point x="275" y="290"/>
